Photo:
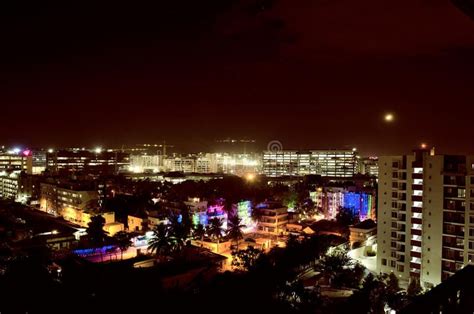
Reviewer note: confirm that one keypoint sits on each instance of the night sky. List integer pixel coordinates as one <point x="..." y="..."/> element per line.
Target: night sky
<point x="310" y="73"/>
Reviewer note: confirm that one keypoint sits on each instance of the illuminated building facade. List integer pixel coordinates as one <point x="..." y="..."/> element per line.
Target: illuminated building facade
<point x="425" y="215"/>
<point x="58" y="199"/>
<point x="94" y="162"/>
<point x="243" y="209"/>
<point x="369" y="166"/>
<point x="327" y="163"/>
<point x="213" y="211"/>
<point x="272" y="219"/>
<point x="146" y="163"/>
<point x="205" y="163"/>
<point x="20" y="187"/>
<point x="9" y="186"/>
<point x="16" y="161"/>
<point x="331" y="199"/>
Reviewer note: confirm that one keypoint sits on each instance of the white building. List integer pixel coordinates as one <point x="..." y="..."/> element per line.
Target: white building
<point x="425" y="215"/>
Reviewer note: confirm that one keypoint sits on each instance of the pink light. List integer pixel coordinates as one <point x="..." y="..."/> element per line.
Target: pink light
<point x="27" y="152"/>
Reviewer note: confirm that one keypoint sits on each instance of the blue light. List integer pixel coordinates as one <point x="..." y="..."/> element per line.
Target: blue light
<point x="357" y="202"/>
<point x="91" y="251"/>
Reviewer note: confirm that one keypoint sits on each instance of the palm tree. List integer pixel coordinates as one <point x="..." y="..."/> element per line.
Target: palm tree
<point x="234" y="229"/>
<point x="179" y="232"/>
<point x="160" y="242"/>
<point x="215" y="229"/>
<point x="96" y="233"/>
<point x="199" y="232"/>
<point x="122" y="239"/>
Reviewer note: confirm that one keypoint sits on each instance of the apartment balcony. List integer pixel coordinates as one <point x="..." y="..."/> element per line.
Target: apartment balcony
<point x="454" y="220"/>
<point x="416" y="221"/>
<point x="416" y="226"/>
<point x="400" y="249"/>
<point x="417" y="215"/>
<point x="400" y="239"/>
<point x="417" y="175"/>
<point x="415" y="254"/>
<point x="415" y="260"/>
<point x="452" y="255"/>
<point x="453" y="232"/>
<point x="453" y="246"/>
<point x="415" y="266"/>
<point x="415" y="243"/>
<point x="417" y="204"/>
<point x="416" y="238"/>
<point x="416" y="232"/>
<point x="415" y="272"/>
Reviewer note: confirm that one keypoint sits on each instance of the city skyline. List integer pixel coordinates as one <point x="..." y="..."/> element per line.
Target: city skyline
<point x="269" y="73"/>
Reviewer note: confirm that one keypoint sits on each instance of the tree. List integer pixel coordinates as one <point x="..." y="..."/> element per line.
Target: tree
<point x="160" y="242"/>
<point x="296" y="298"/>
<point x="414" y="287"/>
<point x="177" y="232"/>
<point x="234" y="229"/>
<point x="245" y="259"/>
<point x="346" y="217"/>
<point x="199" y="232"/>
<point x="334" y="263"/>
<point x="215" y="229"/>
<point x="122" y="239"/>
<point x="96" y="233"/>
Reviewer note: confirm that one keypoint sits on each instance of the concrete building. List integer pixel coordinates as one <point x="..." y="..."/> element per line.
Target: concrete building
<point x="328" y="163"/>
<point x="425" y="215"/>
<point x="135" y="223"/>
<point x="66" y="199"/>
<point x="272" y="220"/>
<point x="16" y="161"/>
<point x="20" y="187"/>
<point x="86" y="161"/>
<point x="369" y="166"/>
<point x="9" y="186"/>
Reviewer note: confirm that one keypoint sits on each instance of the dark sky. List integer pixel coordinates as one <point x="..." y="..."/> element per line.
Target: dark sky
<point x="310" y="73"/>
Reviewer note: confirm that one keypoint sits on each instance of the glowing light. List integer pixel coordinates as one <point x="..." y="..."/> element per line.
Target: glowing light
<point x="389" y="117"/>
<point x="98" y="150"/>
<point x="424" y="145"/>
<point x="27" y="152"/>
<point x="354" y="149"/>
<point x="16" y="150"/>
<point x="50" y="150"/>
<point x="250" y="177"/>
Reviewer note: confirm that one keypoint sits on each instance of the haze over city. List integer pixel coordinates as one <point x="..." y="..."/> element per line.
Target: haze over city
<point x="316" y="74"/>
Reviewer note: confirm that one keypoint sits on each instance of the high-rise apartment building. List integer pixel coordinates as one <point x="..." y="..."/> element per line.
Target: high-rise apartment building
<point x="328" y="163"/>
<point x="425" y="215"/>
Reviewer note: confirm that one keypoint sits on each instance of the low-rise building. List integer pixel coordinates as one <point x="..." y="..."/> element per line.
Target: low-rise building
<point x="272" y="219"/>
<point x="135" y="223"/>
<point x="57" y="198"/>
<point x="114" y="227"/>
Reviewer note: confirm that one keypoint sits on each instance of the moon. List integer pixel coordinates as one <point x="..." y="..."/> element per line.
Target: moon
<point x="389" y="117"/>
